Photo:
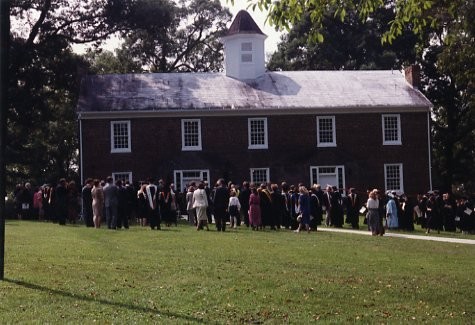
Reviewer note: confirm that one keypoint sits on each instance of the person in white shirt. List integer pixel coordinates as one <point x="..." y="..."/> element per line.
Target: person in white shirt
<point x="374" y="220"/>
<point x="233" y="209"/>
<point x="200" y="203"/>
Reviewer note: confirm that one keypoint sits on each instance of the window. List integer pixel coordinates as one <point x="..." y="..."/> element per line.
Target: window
<point x="331" y="175"/>
<point x="191" y="134"/>
<point x="120" y="136"/>
<point x="393" y="177"/>
<point x="257" y="133"/>
<point x="259" y="175"/>
<point x="123" y="176"/>
<point x="391" y="129"/>
<point x="185" y="177"/>
<point x="246" y="52"/>
<point x="326" y="136"/>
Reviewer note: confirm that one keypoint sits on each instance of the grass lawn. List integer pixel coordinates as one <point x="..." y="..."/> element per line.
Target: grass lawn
<point x="178" y="275"/>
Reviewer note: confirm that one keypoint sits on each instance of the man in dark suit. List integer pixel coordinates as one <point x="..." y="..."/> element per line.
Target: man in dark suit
<point x="87" y="203"/>
<point x="220" y="204"/>
<point x="244" y="195"/>
<point x="111" y="202"/>
<point x="122" y="215"/>
<point x="353" y="208"/>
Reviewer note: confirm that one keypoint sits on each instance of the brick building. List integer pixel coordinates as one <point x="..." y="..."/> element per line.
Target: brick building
<point x="346" y="128"/>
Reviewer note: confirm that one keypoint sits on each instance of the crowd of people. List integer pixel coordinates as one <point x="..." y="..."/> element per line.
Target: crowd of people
<point x="258" y="206"/>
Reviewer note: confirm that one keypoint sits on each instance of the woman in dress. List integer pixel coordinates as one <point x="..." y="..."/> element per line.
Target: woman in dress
<point x="200" y="204"/>
<point x="255" y="210"/>
<point x="97" y="203"/>
<point x="304" y="206"/>
<point x="374" y="219"/>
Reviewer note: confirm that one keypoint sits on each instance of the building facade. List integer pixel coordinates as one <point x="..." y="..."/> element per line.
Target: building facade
<point x="360" y="129"/>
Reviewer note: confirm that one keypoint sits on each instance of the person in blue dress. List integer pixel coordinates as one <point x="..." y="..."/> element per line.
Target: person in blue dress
<point x="392" y="213"/>
<point x="304" y="207"/>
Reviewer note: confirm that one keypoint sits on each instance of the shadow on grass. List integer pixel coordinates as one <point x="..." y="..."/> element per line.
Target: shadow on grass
<point x="103" y="301"/>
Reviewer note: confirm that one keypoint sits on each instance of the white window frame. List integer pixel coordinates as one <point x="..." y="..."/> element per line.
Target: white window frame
<point x="326" y="144"/>
<point x="178" y="176"/>
<point x="339" y="173"/>
<point x="265" y="145"/>
<point x="184" y="147"/>
<point x="398" y="141"/>
<point x="117" y="175"/>
<point x="246" y="52"/>
<point x="120" y="150"/>
<point x="401" y="177"/>
<point x="266" y="170"/>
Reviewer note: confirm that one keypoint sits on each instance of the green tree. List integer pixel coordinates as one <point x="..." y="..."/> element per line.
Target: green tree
<point x="349" y="44"/>
<point x="449" y="82"/>
<point x="189" y="41"/>
<point x="416" y="14"/>
<point x="43" y="84"/>
<point x="119" y="61"/>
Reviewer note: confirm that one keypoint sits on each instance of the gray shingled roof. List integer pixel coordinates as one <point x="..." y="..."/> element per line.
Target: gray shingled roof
<point x="336" y="90"/>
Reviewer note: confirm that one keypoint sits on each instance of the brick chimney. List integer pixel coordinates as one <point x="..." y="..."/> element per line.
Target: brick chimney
<point x="413" y="75"/>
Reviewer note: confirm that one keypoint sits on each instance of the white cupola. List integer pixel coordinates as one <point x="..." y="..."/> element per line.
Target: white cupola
<point x="244" y="56"/>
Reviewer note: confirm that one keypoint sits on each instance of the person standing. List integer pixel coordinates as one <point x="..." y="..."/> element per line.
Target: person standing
<point x="142" y="204"/>
<point x="220" y="203"/>
<point x="122" y="213"/>
<point x="87" y="203"/>
<point x="353" y="208"/>
<point x="266" y="206"/>
<point x="448" y="212"/>
<point x="234" y="207"/>
<point x="392" y="213"/>
<point x="373" y="216"/>
<point x="190" y="210"/>
<point x="254" y="209"/>
<point x="97" y="195"/>
<point x="304" y="206"/>
<point x="61" y="201"/>
<point x="111" y="202"/>
<point x="327" y="203"/>
<point x="244" y="195"/>
<point x="200" y="204"/>
<point x="277" y="206"/>
<point x="165" y="199"/>
<point x="153" y="209"/>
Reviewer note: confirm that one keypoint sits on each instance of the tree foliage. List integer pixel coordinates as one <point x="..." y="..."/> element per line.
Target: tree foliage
<point x="349" y="44"/>
<point x="185" y="38"/>
<point x="42" y="135"/>
<point x="417" y="14"/>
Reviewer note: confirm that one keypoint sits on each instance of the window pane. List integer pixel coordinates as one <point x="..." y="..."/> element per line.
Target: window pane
<point x="247" y="46"/>
<point x="391" y="129"/>
<point x="393" y="177"/>
<point x="122" y="176"/>
<point x="259" y="176"/>
<point x="191" y="134"/>
<point x="325" y="127"/>
<point x="258" y="133"/>
<point x="120" y="135"/>
<point x="246" y="57"/>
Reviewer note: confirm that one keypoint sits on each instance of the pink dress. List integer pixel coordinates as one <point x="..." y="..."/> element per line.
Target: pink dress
<point x="254" y="210"/>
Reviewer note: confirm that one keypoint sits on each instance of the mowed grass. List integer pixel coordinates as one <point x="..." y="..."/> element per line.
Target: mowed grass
<point x="74" y="274"/>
